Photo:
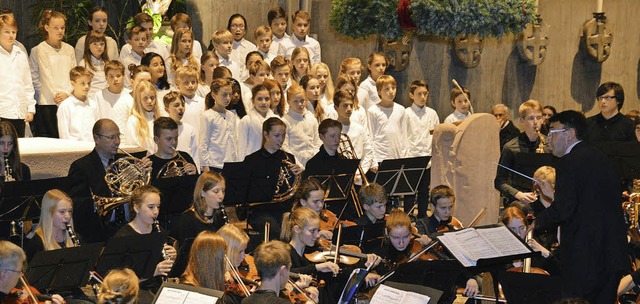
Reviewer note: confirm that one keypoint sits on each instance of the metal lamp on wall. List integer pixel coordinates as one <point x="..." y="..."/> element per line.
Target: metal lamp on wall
<point x="597" y="38"/>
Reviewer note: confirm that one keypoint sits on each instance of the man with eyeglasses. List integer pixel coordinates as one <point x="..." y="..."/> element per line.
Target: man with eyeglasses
<point x="610" y="124"/>
<point x="587" y="208"/>
<point x="12" y="263"/>
<point x="86" y="178"/>
<point x="508" y="130"/>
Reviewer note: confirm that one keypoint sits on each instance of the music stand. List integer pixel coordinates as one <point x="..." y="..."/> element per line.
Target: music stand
<point x="363" y="236"/>
<point x="530" y="288"/>
<point x="401" y="176"/>
<point x="63" y="269"/>
<point x="172" y="293"/>
<point x="337" y="177"/>
<point x="19" y="201"/>
<point x="182" y="260"/>
<point x="141" y="253"/>
<point x="244" y="186"/>
<point x="625" y="157"/>
<point x="432" y="293"/>
<point x="440" y="275"/>
<point x="174" y="191"/>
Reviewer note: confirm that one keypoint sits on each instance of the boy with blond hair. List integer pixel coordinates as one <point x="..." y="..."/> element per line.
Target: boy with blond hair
<point x="263" y="36"/>
<point x="78" y="113"/>
<point x="187" y="84"/>
<point x="223" y="45"/>
<point x="386" y="122"/>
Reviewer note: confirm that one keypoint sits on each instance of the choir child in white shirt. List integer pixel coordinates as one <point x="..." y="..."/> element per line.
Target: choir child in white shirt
<point x="181" y="53"/>
<point x="278" y="103"/>
<point x="259" y="71"/>
<point x="249" y="60"/>
<point x="139" y="129"/>
<point x="321" y="72"/>
<point x="182" y="20"/>
<point x="108" y="97"/>
<point x="237" y="25"/>
<point x="158" y="71"/>
<point x="79" y="112"/>
<point x="376" y="66"/>
<point x="208" y="63"/>
<point x="122" y="109"/>
<point x="94" y="58"/>
<point x="223" y="45"/>
<point x="98" y="21"/>
<point x="174" y="106"/>
<point x="300" y="24"/>
<point x="250" y="127"/>
<point x="137" y="41"/>
<point x="460" y="104"/>
<point x="146" y="22"/>
<point x="311" y="87"/>
<point x="277" y="19"/>
<point x="236" y="106"/>
<point x="219" y="129"/>
<point x="281" y="70"/>
<point x="344" y="102"/>
<point x="50" y="62"/>
<point x="300" y="63"/>
<point x="359" y="115"/>
<point x="386" y="122"/>
<point x="420" y="121"/>
<point x="17" y="103"/>
<point x="302" y="138"/>
<point x="263" y="38"/>
<point x="187" y="83"/>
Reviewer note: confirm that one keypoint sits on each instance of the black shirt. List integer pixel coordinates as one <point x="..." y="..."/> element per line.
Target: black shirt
<point x="507" y="133"/>
<point x="322" y="159"/>
<point x="188" y="225"/>
<point x="265" y="169"/>
<point x="158" y="163"/>
<point x="616" y="128"/>
<point x="265" y="297"/>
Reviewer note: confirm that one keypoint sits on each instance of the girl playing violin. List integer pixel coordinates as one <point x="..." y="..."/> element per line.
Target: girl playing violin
<point x="515" y="219"/>
<point x="206" y="212"/>
<point x="442" y="200"/>
<point x="399" y="247"/>
<point x="55" y="214"/>
<point x="146" y="205"/>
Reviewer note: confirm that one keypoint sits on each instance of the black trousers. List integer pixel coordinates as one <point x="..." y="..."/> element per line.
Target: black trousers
<point x="46" y="121"/>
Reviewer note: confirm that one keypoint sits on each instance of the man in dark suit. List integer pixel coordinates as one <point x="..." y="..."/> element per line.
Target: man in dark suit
<point x="86" y="177"/>
<point x="508" y="130"/>
<point x="587" y="207"/>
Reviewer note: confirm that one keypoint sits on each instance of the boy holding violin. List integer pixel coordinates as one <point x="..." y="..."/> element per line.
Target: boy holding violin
<point x="12" y="267"/>
<point x="442" y="201"/>
<point x="373" y="198"/>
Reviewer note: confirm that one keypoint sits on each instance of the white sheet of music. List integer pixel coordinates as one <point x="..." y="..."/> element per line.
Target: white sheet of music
<point x="386" y="295"/>
<point x="503" y="240"/>
<point x="173" y="295"/>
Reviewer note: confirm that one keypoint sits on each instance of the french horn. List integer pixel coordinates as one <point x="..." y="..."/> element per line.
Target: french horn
<point x="173" y="168"/>
<point x="288" y="182"/>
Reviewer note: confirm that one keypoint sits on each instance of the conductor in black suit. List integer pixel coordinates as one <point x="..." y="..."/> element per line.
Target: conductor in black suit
<point x="86" y="176"/>
<point x="587" y="207"/>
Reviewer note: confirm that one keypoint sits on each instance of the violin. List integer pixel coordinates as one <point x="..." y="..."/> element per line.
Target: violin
<point x="25" y="295"/>
<point x="297" y="295"/>
<point x="247" y="268"/>
<point x="349" y="254"/>
<point x="329" y="221"/>
<point x="452" y="225"/>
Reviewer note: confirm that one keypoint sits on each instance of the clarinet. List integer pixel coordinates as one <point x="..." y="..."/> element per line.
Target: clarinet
<point x="72" y="234"/>
<point x="224" y="214"/>
<point x="165" y="255"/>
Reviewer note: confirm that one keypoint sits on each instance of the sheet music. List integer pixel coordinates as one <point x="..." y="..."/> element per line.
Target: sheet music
<point x="173" y="295"/>
<point x="474" y="245"/>
<point x="503" y="240"/>
<point x="457" y="251"/>
<point x="386" y="295"/>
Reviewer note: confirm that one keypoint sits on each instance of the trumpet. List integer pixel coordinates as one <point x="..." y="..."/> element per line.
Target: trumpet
<point x="72" y="234"/>
<point x="540" y="148"/>
<point x="347" y="151"/>
<point x="288" y="182"/>
<point x="173" y="168"/>
<point x="7" y="171"/>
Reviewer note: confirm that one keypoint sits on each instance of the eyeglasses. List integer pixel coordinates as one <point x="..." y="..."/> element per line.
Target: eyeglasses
<point x="607" y="98"/>
<point x="111" y="137"/>
<point x="237" y="26"/>
<point x="551" y="132"/>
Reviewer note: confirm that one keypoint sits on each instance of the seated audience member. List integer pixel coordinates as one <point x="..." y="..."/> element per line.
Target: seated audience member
<point x="508" y="130"/>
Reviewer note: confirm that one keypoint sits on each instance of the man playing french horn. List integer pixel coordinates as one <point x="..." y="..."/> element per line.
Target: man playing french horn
<point x="167" y="161"/>
<point x="87" y="177"/>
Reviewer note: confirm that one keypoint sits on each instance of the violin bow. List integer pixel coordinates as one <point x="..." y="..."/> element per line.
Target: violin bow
<point x="463" y="93"/>
<point x="475" y="220"/>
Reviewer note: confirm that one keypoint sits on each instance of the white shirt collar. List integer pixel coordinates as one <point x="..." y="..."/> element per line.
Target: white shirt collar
<point x="571" y="147"/>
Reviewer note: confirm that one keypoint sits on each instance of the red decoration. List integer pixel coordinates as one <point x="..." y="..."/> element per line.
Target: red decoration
<point x="404" y="16"/>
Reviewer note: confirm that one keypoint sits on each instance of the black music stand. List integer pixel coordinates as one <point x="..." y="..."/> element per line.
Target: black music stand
<point x="401" y="176"/>
<point x="141" y="253"/>
<point x="180" y="293"/>
<point x="19" y="201"/>
<point x="367" y="237"/>
<point x="625" y="157"/>
<point x="63" y="270"/>
<point x="530" y="288"/>
<point x="441" y="275"/>
<point x="337" y="177"/>
<point x="246" y="187"/>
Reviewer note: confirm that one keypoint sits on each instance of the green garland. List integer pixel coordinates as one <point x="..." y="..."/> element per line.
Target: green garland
<point x="448" y="18"/>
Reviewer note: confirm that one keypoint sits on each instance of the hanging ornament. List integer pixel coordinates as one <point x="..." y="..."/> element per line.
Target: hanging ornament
<point x="468" y="49"/>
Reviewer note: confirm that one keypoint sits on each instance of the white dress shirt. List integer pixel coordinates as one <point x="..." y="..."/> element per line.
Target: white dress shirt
<point x="76" y="118"/>
<point x="386" y="126"/>
<point x="219" y="138"/>
<point x="250" y="132"/>
<point x="130" y="58"/>
<point x="193" y="109"/>
<point x="368" y="93"/>
<point x="232" y="65"/>
<point x="187" y="142"/>
<point x="313" y="46"/>
<point x="276" y="42"/>
<point x="362" y="144"/>
<point x="99" y="80"/>
<point x="121" y="110"/>
<point x="155" y="47"/>
<point x="241" y="49"/>
<point x="16" y="88"/>
<point x="302" y="138"/>
<point x="419" y="123"/>
<point x="456" y="116"/>
<point x="107" y="102"/>
<point x="50" y="70"/>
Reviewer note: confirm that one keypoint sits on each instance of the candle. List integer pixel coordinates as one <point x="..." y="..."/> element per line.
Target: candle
<point x="599" y="6"/>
